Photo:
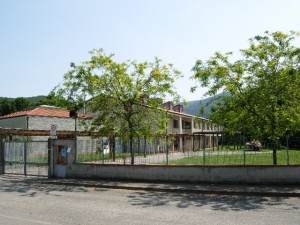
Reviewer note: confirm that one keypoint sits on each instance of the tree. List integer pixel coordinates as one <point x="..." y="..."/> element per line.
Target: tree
<point x="54" y="98"/>
<point x="262" y="88"/>
<point x="124" y="98"/>
<point x="6" y="106"/>
<point x="21" y="103"/>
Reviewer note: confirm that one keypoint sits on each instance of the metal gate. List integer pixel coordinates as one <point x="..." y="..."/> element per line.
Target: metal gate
<point x="25" y="158"/>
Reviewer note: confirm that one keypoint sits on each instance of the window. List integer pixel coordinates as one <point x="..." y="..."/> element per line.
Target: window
<point x="186" y="125"/>
<point x="175" y="124"/>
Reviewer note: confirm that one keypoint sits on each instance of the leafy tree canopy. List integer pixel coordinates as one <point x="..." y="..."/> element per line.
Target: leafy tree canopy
<point x="123" y="97"/>
<point x="11" y="105"/>
<point x="21" y="103"/>
<point x="6" y="106"/>
<point x="263" y="87"/>
<point x="55" y="99"/>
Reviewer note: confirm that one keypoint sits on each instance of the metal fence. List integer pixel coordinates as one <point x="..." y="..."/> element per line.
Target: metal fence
<point x="162" y="151"/>
<point x="26" y="158"/>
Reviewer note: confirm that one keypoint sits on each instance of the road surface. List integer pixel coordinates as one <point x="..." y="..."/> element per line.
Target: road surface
<point x="41" y="204"/>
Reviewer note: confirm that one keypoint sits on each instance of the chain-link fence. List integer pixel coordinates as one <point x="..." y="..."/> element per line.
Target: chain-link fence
<point x="188" y="150"/>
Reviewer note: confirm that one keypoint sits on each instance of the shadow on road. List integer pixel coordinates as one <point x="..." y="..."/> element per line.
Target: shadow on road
<point x="31" y="186"/>
<point x="148" y="197"/>
<point x="216" y="202"/>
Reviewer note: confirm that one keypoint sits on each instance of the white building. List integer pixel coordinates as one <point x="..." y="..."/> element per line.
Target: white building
<point x="191" y="132"/>
<point x="188" y="132"/>
<point x="41" y="118"/>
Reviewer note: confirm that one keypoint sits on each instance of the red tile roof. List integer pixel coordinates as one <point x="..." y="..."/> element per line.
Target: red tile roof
<point x="46" y="111"/>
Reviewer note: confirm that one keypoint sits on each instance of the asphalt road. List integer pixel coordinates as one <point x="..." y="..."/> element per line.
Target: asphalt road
<point x="39" y="204"/>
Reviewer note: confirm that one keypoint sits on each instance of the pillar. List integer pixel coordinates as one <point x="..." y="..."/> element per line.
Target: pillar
<point x="180" y="132"/>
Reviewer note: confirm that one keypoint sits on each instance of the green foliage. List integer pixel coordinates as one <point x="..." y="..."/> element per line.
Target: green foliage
<point x="237" y="158"/>
<point x="54" y="99"/>
<point x="263" y="86"/>
<point x="11" y="105"/>
<point x="6" y="106"/>
<point x="35" y="99"/>
<point x="21" y="103"/>
<point x="123" y="97"/>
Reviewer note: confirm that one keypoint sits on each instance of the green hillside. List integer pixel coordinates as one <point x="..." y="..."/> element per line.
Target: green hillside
<point x="32" y="100"/>
<point x="35" y="99"/>
<point x="11" y="105"/>
<point x="200" y="107"/>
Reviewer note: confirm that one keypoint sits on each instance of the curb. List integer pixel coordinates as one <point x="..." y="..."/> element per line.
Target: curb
<point x="179" y="190"/>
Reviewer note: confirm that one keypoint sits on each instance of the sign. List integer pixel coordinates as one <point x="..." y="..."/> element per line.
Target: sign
<point x="53" y="130"/>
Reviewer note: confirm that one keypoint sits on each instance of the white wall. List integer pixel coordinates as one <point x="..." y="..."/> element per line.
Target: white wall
<point x="210" y="174"/>
<point x="44" y="123"/>
<point x="16" y="122"/>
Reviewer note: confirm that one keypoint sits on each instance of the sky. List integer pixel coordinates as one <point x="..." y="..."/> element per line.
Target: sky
<point x="40" y="38"/>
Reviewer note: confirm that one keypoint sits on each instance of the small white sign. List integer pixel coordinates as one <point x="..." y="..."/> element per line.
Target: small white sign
<point x="53" y="130"/>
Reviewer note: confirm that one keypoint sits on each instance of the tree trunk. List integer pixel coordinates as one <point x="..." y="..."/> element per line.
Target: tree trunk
<point x="114" y="148"/>
<point x="274" y="152"/>
<point x="112" y="151"/>
<point x="145" y="146"/>
<point x="274" y="156"/>
<point x="139" y="146"/>
<point x="131" y="149"/>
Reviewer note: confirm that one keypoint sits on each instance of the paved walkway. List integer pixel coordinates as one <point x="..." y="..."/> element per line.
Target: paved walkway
<point x="219" y="189"/>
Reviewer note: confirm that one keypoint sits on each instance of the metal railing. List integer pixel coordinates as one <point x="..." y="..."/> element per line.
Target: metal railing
<point x="26" y="158"/>
<point x="163" y="152"/>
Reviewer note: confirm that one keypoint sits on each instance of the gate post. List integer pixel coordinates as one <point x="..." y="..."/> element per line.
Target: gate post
<point x="1" y="157"/>
<point x="25" y="158"/>
<point x="51" y="173"/>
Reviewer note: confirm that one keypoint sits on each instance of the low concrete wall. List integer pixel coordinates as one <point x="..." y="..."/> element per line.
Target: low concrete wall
<point x="196" y="174"/>
<point x="207" y="174"/>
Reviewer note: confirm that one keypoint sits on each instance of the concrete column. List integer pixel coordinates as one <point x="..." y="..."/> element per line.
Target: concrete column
<point x="180" y="132"/>
<point x="203" y="136"/>
<point x="1" y="156"/>
<point x="192" y="125"/>
<point x="192" y="131"/>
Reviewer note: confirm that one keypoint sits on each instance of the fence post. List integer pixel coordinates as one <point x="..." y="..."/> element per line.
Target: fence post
<point x="244" y="157"/>
<point x="2" y="166"/>
<point x="287" y="150"/>
<point x="25" y="158"/>
<point x="49" y="158"/>
<point x="167" y="150"/>
<point x="204" y="156"/>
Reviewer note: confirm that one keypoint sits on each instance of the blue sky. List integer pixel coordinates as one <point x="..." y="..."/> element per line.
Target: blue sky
<point x="39" y="38"/>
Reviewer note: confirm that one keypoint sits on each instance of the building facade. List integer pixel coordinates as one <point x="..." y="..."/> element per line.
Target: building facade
<point x="187" y="132"/>
<point x="191" y="132"/>
<point x="41" y="118"/>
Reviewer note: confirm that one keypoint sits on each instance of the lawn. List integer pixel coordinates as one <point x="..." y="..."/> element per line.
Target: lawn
<point x="239" y="158"/>
<point x="87" y="157"/>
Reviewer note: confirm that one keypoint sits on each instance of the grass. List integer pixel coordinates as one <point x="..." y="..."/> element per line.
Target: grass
<point x="86" y="157"/>
<point x="238" y="158"/>
<point x="221" y="157"/>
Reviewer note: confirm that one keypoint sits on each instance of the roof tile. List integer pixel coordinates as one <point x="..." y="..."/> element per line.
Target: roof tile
<point x="43" y="111"/>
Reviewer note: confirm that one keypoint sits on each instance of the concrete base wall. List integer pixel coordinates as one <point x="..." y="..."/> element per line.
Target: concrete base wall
<point x="208" y="174"/>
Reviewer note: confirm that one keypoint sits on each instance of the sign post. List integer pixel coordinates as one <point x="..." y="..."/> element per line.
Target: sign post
<point x="53" y="132"/>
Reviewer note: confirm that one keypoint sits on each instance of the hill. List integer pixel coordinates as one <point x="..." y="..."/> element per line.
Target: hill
<point x="196" y="107"/>
<point x="200" y="107"/>
<point x="32" y="100"/>
<point x="35" y="99"/>
<point x="11" y="105"/>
